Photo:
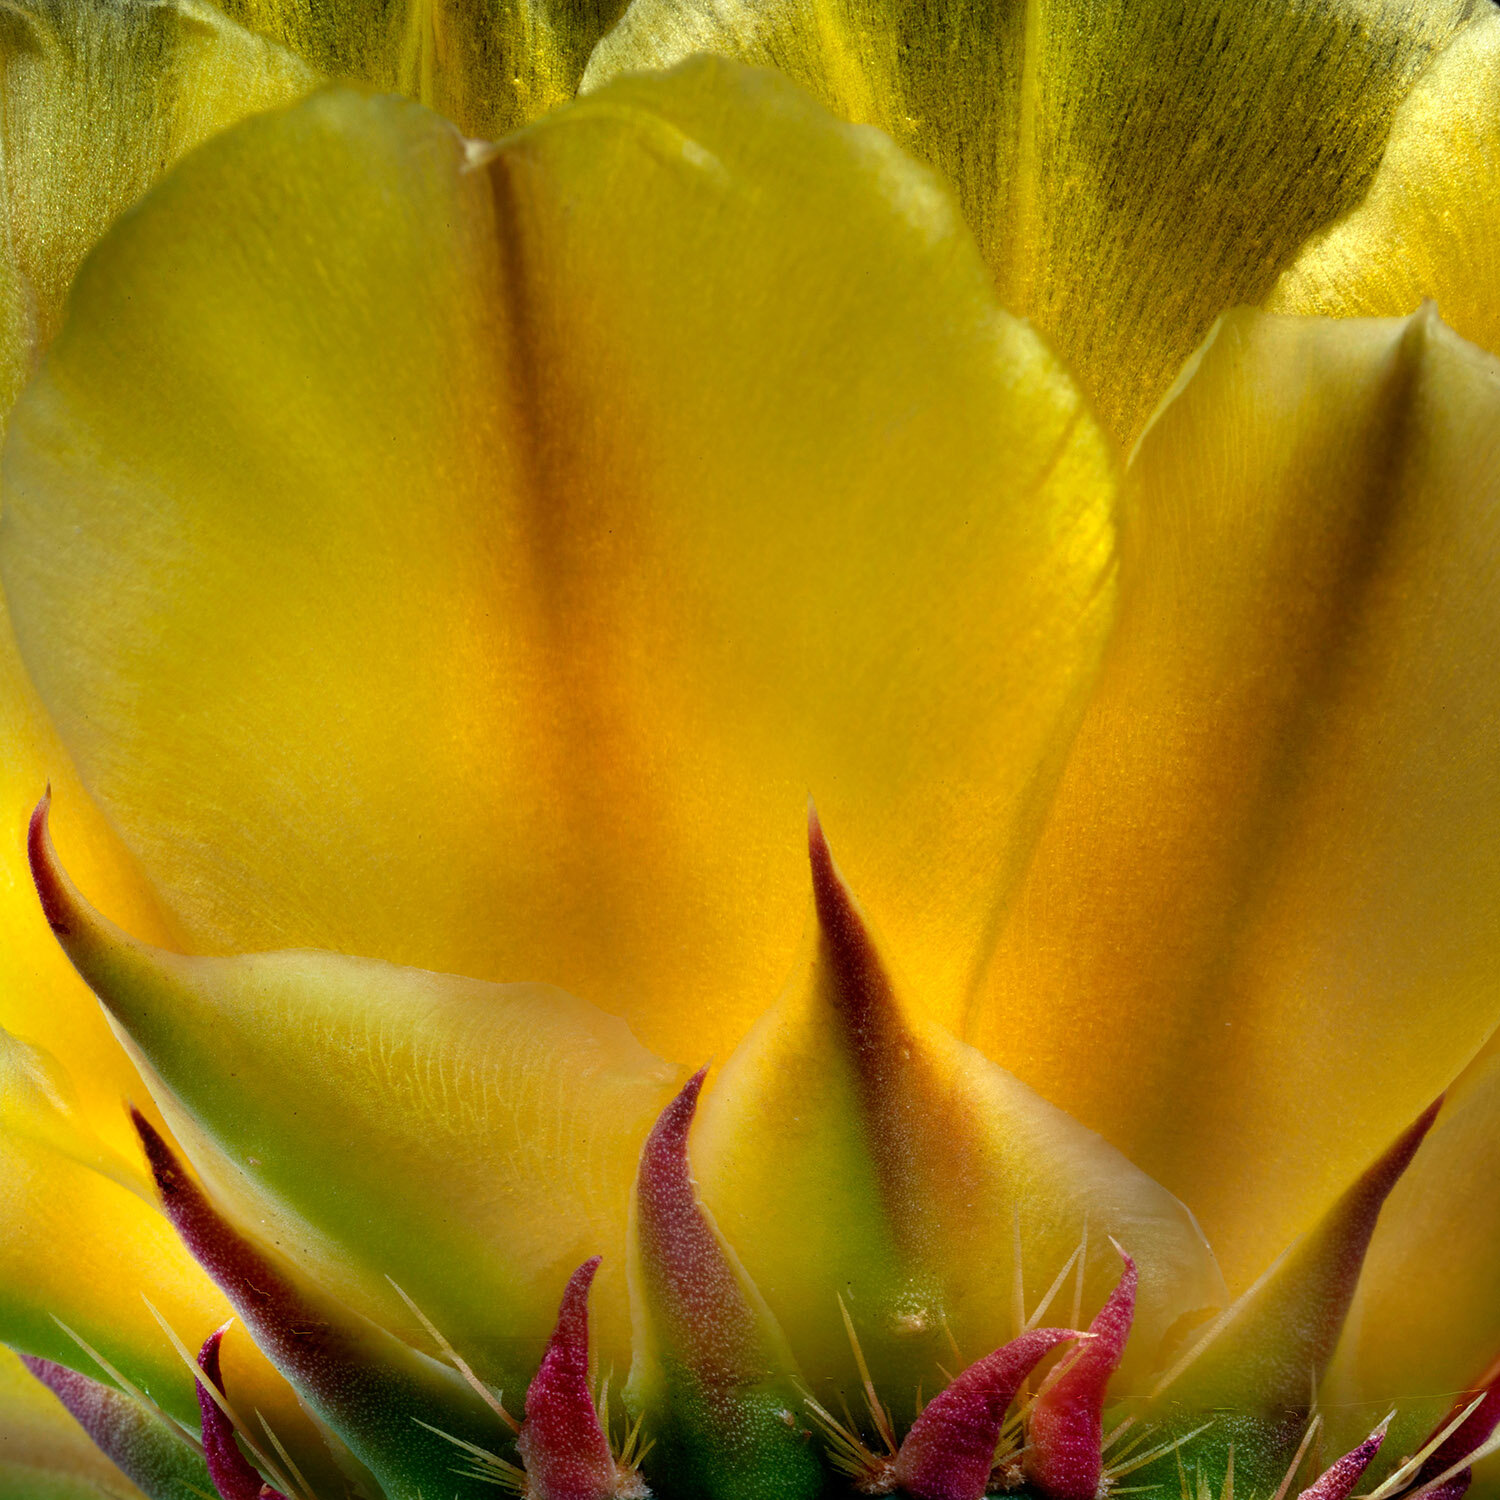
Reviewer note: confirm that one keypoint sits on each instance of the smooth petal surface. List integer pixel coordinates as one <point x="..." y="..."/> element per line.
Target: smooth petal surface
<point x="1131" y="168"/>
<point x="464" y="1139"/>
<point x="1266" y="889"/>
<point x="474" y="560"/>
<point x="852" y="1150"/>
<point x="97" y="97"/>
<point x="44" y="1454"/>
<point x="78" y="1244"/>
<point x="489" y="65"/>
<point x="1430" y="224"/>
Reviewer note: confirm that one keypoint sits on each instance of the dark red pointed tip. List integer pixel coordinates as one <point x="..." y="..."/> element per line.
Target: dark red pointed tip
<point x="669" y="1135"/>
<point x="1338" y="1480"/>
<point x="166" y="1170"/>
<point x="950" y="1450"/>
<point x="562" y="1443"/>
<point x="1379" y="1178"/>
<point x="1065" y="1439"/>
<point x="208" y="1357"/>
<point x="45" y="874"/>
<point x="835" y="906"/>
<point x="230" y="1470"/>
<point x="568" y="1347"/>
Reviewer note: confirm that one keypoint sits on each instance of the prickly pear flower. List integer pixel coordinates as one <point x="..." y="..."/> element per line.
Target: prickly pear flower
<point x="750" y="749"/>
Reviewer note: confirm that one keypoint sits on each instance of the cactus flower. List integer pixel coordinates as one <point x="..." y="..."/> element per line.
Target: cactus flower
<point x="751" y="749"/>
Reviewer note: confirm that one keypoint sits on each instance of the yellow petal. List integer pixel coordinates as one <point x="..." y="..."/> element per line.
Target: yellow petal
<point x="497" y="1127"/>
<point x="474" y="561"/>
<point x="80" y="1245"/>
<point x="1131" y="168"/>
<point x="1430" y="224"/>
<point x="1426" y="1321"/>
<point x="96" y="99"/>
<point x="852" y="1151"/>
<point x="489" y="65"/>
<point x="1265" y="892"/>
<point x="44" y="1454"/>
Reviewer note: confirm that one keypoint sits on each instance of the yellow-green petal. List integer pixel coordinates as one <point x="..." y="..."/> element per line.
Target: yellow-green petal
<point x="474" y="559"/>
<point x="1130" y="168"/>
<point x="97" y="97"/>
<point x="1430" y="224"/>
<point x="497" y="1127"/>
<point x="489" y="65"/>
<point x="1265" y="892"/>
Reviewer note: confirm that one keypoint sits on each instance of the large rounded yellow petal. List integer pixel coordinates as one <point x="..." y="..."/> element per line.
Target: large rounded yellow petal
<point x="489" y="65"/>
<point x="1258" y="935"/>
<point x="44" y="1453"/>
<point x="1131" y="168"/>
<point x="475" y="559"/>
<point x="1430" y="224"/>
<point x="96" y="98"/>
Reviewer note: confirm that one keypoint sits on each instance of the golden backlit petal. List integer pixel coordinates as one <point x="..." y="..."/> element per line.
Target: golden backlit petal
<point x="1266" y="892"/>
<point x="852" y="1151"/>
<point x="97" y="97"/>
<point x="1430" y="224"/>
<point x="1131" y="168"/>
<point x="474" y="560"/>
<point x="489" y="65"/>
<point x="44" y="1454"/>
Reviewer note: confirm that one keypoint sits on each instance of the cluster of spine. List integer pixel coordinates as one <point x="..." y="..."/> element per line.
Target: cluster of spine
<point x="713" y="1381"/>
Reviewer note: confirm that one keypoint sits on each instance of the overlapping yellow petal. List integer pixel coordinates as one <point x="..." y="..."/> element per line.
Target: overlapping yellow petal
<point x="1130" y="168"/>
<point x="1258" y="935"/>
<point x="489" y="65"/>
<point x="855" y="1154"/>
<point x="475" y="559"/>
<point x="1430" y="224"/>
<point x="44" y="1454"/>
<point x="96" y="99"/>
